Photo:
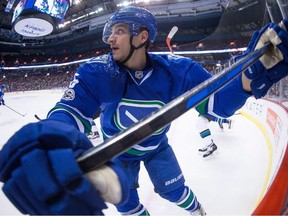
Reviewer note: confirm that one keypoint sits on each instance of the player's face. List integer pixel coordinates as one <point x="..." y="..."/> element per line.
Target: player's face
<point x="119" y="41"/>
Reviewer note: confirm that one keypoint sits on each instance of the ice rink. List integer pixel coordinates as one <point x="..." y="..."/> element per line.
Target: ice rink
<point x="231" y="183"/>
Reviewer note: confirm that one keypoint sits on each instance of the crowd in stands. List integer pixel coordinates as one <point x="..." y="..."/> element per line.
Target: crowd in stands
<point x="60" y="76"/>
<point x="11" y="60"/>
<point x="38" y="79"/>
<point x="37" y="82"/>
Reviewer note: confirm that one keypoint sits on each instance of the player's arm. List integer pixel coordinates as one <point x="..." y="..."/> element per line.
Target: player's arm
<point x="90" y="86"/>
<point x="38" y="164"/>
<point x="78" y="103"/>
<point x="258" y="78"/>
<point x="273" y="65"/>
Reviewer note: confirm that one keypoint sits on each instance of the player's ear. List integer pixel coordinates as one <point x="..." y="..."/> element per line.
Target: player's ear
<point x="144" y="34"/>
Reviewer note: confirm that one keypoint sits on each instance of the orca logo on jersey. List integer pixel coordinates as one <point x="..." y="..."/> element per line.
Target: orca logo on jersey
<point x="69" y="94"/>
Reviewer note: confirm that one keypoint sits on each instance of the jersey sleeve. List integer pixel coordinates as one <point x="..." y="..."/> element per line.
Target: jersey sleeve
<point x="228" y="99"/>
<point x="2" y="97"/>
<point x="223" y="104"/>
<point x="95" y="82"/>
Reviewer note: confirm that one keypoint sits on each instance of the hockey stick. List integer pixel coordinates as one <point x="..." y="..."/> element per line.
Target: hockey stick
<point x="171" y="34"/>
<point x="37" y="117"/>
<point x="15" y="111"/>
<point x="101" y="154"/>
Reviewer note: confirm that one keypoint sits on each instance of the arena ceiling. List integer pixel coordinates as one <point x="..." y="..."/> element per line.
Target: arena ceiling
<point x="87" y="9"/>
<point x="200" y="15"/>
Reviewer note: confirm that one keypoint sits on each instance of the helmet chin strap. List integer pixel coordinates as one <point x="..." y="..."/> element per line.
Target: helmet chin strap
<point x="132" y="49"/>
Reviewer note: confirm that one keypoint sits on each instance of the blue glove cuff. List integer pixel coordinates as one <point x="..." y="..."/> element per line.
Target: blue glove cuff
<point x="260" y="86"/>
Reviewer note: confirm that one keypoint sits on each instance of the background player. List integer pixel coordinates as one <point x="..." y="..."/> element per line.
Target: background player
<point x="222" y="121"/>
<point x="94" y="134"/>
<point x="202" y="125"/>
<point x="2" y="90"/>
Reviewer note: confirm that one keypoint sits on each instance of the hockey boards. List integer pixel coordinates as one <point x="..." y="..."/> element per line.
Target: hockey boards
<point x="101" y="154"/>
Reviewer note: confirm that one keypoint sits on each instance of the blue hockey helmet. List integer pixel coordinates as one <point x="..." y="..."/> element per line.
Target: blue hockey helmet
<point x="3" y="86"/>
<point x="135" y="17"/>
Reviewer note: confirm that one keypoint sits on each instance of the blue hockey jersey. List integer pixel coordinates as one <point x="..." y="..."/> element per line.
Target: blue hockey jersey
<point x="1" y="95"/>
<point x="125" y="96"/>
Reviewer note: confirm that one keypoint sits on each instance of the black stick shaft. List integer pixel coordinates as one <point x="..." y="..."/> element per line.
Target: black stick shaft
<point x="37" y="117"/>
<point x="15" y="111"/>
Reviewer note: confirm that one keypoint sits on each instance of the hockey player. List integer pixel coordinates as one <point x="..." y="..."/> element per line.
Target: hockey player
<point x="94" y="134"/>
<point x="202" y="125"/>
<point x="38" y="166"/>
<point x="2" y="89"/>
<point x="222" y="121"/>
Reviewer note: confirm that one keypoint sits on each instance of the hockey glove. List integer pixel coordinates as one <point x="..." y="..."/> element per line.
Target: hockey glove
<point x="40" y="173"/>
<point x="273" y="65"/>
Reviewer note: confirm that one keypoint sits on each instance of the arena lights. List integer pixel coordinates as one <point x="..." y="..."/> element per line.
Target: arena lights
<point x="84" y="60"/>
<point x="44" y="65"/>
<point x="98" y="10"/>
<point x="126" y="3"/>
<point x="76" y="2"/>
<point x="205" y="51"/>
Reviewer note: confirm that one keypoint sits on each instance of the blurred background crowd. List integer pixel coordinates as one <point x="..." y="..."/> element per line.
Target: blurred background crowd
<point x="20" y="72"/>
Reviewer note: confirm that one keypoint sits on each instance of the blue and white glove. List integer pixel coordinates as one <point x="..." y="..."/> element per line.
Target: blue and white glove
<point x="41" y="175"/>
<point x="273" y="65"/>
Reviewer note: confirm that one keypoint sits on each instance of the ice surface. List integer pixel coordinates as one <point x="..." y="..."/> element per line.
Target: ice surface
<point x="231" y="183"/>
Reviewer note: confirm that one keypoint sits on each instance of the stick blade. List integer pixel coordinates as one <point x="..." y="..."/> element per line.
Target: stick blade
<point x="37" y="117"/>
<point x="172" y="32"/>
